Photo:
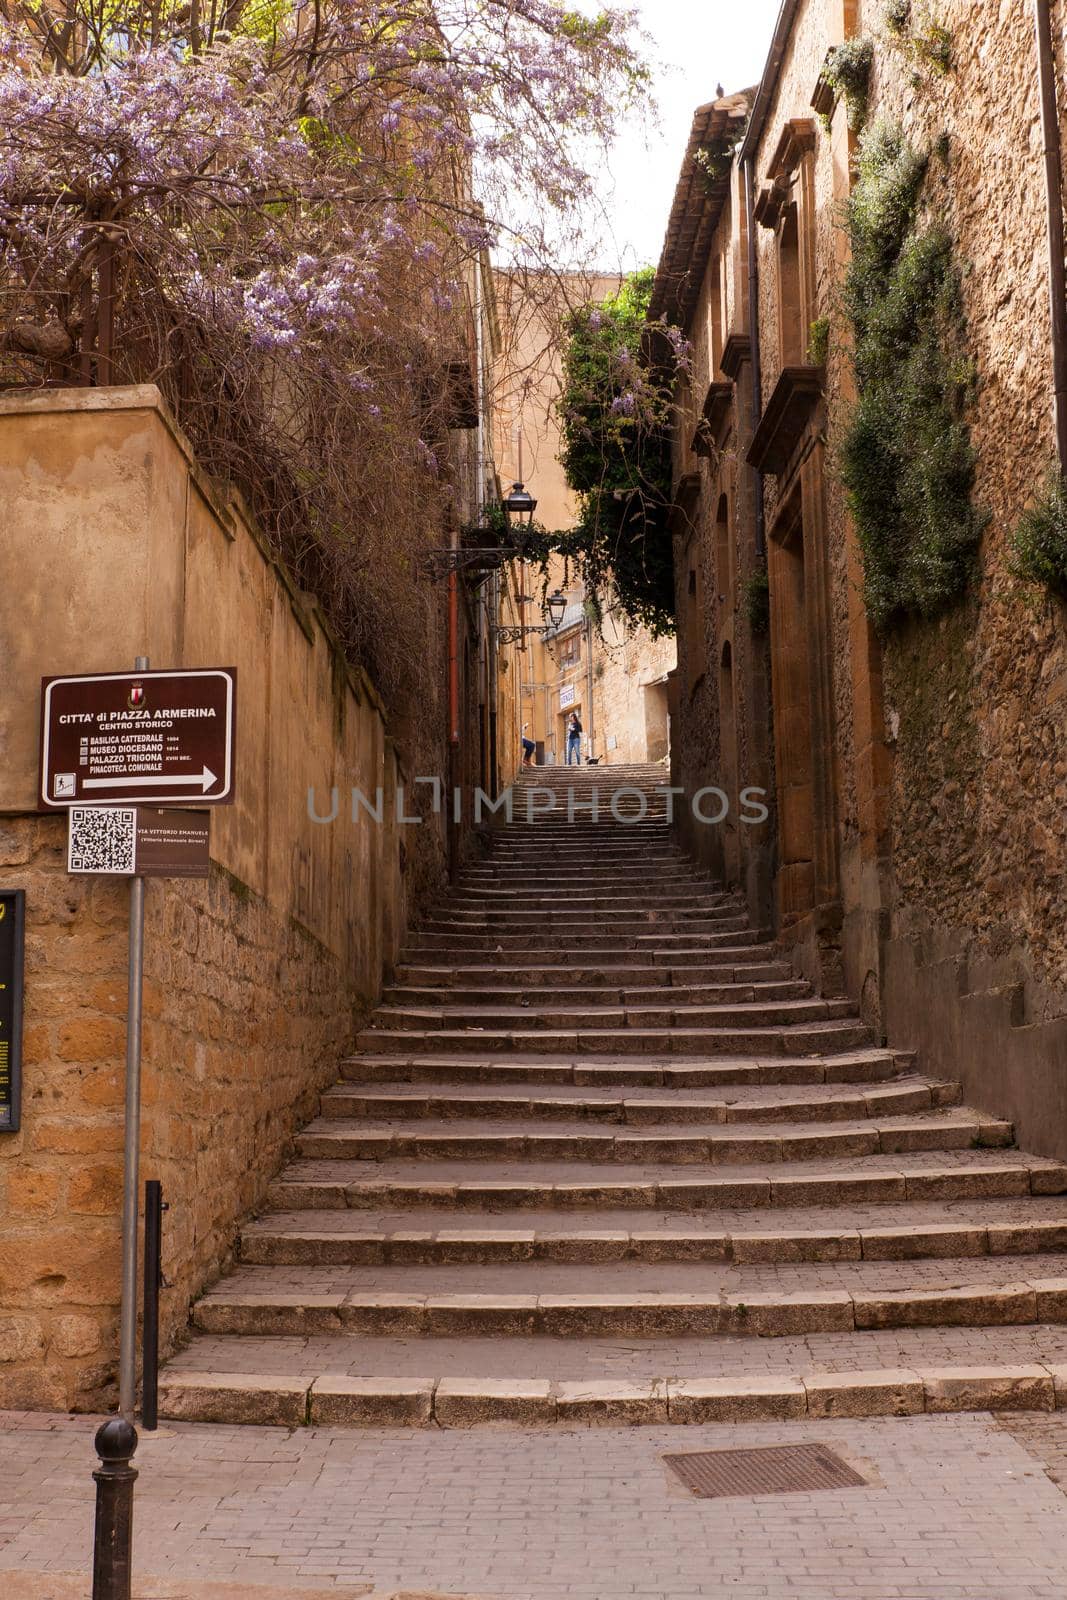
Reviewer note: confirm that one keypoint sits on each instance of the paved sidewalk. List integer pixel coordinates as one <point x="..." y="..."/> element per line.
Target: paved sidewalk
<point x="958" y="1508"/>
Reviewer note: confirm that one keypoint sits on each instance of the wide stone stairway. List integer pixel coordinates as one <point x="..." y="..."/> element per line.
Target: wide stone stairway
<point x="600" y="1157"/>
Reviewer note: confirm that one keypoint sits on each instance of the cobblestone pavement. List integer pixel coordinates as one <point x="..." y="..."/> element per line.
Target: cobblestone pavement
<point x="957" y="1508"/>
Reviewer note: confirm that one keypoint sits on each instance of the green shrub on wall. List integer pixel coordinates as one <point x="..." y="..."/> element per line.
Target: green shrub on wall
<point x="1039" y="544"/>
<point x="922" y="36"/>
<point x="897" y="15"/>
<point x="819" y="341"/>
<point x="906" y="459"/>
<point x="847" y="70"/>
<point x="756" y="602"/>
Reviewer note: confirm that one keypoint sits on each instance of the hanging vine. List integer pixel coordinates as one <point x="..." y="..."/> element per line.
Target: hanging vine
<point x="907" y="460"/>
<point x="615" y="410"/>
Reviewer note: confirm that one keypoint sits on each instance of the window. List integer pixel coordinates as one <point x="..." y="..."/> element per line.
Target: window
<point x="570" y="650"/>
<point x="694" y="628"/>
<point x="723" y="564"/>
<point x="789" y="290"/>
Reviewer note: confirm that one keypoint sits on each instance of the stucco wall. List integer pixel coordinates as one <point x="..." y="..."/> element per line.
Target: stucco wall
<point x="630" y="670"/>
<point x="115" y="547"/>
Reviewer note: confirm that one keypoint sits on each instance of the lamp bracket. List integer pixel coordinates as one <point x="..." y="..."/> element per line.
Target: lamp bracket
<point x="437" y="564"/>
<point x="516" y="634"/>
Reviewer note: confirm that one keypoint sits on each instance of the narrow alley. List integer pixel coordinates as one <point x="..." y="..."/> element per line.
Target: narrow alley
<point x="600" y="1157"/>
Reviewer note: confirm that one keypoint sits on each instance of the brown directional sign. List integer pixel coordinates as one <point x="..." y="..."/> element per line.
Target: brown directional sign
<point x="12" y="917"/>
<point x="124" y="737"/>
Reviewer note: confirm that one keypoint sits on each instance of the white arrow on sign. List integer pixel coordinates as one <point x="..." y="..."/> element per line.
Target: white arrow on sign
<point x="205" y="779"/>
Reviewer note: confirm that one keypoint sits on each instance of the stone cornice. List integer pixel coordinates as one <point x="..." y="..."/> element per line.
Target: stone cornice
<point x="794" y="401"/>
<point x="735" y="351"/>
<point x="686" y="496"/>
<point x="824" y="95"/>
<point x="797" y="138"/>
<point x="717" y="404"/>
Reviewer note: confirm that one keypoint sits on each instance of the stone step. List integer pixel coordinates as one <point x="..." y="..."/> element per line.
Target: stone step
<point x="744" y="962"/>
<point x="570" y="847"/>
<point x="597" y="812"/>
<point x="633" y="1300"/>
<point x="341" y="1184"/>
<point x="641" y="1108"/>
<point x="492" y="979"/>
<point x="500" y="899"/>
<point x="497" y="876"/>
<point x="581" y="922"/>
<point x="580" y="826"/>
<point x="641" y="937"/>
<point x="602" y="772"/>
<point x="561" y="927"/>
<point x="539" y="1013"/>
<point x="579" y="909"/>
<point x="331" y="1396"/>
<point x="905" y="1233"/>
<point x="813" y="1038"/>
<point x="406" y="996"/>
<point x="607" y="803"/>
<point x="597" y="1142"/>
<point x="613" y="892"/>
<point x="863" y="1066"/>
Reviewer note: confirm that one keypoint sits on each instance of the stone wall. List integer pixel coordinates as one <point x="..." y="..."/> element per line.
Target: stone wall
<point x="939" y="788"/>
<point x="255" y="977"/>
<point x="719" y="692"/>
<point x="976" y="960"/>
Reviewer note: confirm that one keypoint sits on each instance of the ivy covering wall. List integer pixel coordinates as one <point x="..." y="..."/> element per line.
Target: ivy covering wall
<point x="906" y="459"/>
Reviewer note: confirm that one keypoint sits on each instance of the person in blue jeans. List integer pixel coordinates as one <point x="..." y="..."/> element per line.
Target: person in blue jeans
<point x="574" y="740"/>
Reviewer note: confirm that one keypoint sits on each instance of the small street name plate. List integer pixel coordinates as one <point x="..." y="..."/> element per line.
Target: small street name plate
<point x="12" y="944"/>
<point x="141" y="841"/>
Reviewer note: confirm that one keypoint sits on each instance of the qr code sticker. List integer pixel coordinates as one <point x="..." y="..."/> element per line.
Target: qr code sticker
<point x="102" y="839"/>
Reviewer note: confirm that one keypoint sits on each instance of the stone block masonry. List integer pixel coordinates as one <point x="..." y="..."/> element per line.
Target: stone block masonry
<point x="256" y="977"/>
<point x="912" y="860"/>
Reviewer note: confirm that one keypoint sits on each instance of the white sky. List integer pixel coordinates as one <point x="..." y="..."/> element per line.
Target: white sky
<point x="700" y="44"/>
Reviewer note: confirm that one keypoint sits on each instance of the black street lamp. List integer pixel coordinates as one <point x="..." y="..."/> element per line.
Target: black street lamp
<point x="555" y="609"/>
<point x="520" y="505"/>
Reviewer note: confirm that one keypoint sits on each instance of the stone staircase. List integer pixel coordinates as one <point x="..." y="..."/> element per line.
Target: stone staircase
<point x="600" y="1157"/>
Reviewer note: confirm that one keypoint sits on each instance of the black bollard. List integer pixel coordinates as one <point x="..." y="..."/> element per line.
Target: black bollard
<point x="153" y="1282"/>
<point x="115" y="1444"/>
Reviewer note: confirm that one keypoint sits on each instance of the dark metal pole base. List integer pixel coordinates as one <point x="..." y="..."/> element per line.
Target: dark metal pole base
<point x="116" y="1442"/>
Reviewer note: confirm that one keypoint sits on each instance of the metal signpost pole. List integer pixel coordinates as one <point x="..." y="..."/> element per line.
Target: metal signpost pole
<point x="130" y="1195"/>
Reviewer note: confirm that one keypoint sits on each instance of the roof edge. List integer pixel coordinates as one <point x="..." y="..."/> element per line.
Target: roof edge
<point x="697" y="204"/>
<point x="768" y="84"/>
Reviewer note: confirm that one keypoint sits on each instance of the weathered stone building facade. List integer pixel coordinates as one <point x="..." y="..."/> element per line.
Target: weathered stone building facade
<point x="615" y="674"/>
<point x="916" y="847"/>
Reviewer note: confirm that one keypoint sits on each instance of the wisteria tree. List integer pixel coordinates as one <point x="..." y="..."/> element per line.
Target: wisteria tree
<point x="278" y="204"/>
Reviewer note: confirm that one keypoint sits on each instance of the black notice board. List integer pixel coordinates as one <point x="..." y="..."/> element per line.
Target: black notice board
<point x="12" y="945"/>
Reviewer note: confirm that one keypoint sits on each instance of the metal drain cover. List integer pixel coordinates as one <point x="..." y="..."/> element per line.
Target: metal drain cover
<point x="779" y="1469"/>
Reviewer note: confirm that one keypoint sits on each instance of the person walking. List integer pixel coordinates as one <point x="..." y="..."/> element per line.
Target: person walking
<point x="574" y="739"/>
<point x="528" y="747"/>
